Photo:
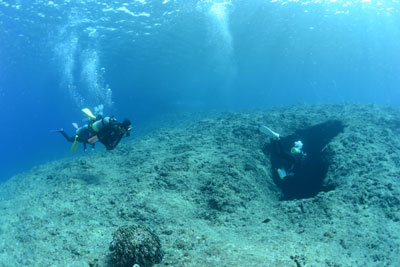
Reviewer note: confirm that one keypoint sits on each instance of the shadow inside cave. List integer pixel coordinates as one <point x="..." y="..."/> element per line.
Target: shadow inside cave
<point x="307" y="180"/>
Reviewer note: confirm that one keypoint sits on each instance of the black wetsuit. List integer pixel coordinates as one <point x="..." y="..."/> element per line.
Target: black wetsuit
<point x="84" y="134"/>
<point x="111" y="135"/>
<point x="294" y="161"/>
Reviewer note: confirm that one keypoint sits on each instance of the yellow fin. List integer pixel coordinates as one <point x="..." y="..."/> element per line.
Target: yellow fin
<point x="74" y="145"/>
<point x="89" y="113"/>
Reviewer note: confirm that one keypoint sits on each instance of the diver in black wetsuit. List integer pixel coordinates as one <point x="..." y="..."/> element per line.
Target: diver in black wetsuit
<point x="293" y="159"/>
<point x="107" y="130"/>
<point x="113" y="131"/>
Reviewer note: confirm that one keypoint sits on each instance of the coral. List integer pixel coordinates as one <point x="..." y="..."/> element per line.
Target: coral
<point x="135" y="244"/>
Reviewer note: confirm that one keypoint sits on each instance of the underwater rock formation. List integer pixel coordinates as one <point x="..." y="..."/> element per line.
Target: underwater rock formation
<point x="207" y="186"/>
<point x="308" y="181"/>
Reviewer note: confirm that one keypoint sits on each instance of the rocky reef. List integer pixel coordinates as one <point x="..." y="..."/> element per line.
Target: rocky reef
<point x="207" y="187"/>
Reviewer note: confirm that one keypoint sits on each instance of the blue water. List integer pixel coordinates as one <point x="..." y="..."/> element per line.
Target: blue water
<point x="143" y="59"/>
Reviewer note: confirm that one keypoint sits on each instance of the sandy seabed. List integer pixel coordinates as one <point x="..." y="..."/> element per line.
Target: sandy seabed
<point x="206" y="188"/>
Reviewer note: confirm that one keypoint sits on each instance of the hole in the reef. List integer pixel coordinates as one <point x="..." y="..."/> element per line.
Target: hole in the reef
<point x="308" y="179"/>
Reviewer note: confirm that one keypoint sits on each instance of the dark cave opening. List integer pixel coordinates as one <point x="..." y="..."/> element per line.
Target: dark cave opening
<point x="307" y="180"/>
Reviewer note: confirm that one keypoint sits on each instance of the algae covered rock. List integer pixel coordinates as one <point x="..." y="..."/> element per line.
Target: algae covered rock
<point x="135" y="244"/>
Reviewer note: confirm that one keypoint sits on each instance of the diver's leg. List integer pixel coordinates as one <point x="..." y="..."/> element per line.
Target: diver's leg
<point x="69" y="139"/>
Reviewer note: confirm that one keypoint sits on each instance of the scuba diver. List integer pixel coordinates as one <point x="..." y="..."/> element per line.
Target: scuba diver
<point x="293" y="159"/>
<point x="107" y="131"/>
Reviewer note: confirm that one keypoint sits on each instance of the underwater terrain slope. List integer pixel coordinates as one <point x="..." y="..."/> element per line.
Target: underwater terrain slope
<point x="208" y="189"/>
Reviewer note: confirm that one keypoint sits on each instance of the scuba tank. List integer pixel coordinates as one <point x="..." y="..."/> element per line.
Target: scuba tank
<point x="101" y="124"/>
<point x="97" y="122"/>
<point x="82" y="129"/>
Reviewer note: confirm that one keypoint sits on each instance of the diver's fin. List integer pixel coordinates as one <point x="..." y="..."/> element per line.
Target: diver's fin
<point x="74" y="146"/>
<point x="89" y="113"/>
<point x="268" y="131"/>
<point x="282" y="173"/>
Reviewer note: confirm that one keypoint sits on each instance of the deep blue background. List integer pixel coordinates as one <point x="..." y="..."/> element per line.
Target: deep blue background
<point x="182" y="56"/>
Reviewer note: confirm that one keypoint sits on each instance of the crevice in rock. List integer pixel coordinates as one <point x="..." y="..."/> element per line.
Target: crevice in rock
<point x="308" y="180"/>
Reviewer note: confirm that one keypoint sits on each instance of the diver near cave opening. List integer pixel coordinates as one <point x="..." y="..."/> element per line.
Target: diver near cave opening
<point x="106" y="130"/>
<point x="293" y="159"/>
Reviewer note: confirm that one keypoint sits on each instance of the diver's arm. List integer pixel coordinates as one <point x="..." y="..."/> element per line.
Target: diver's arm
<point x="115" y="143"/>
